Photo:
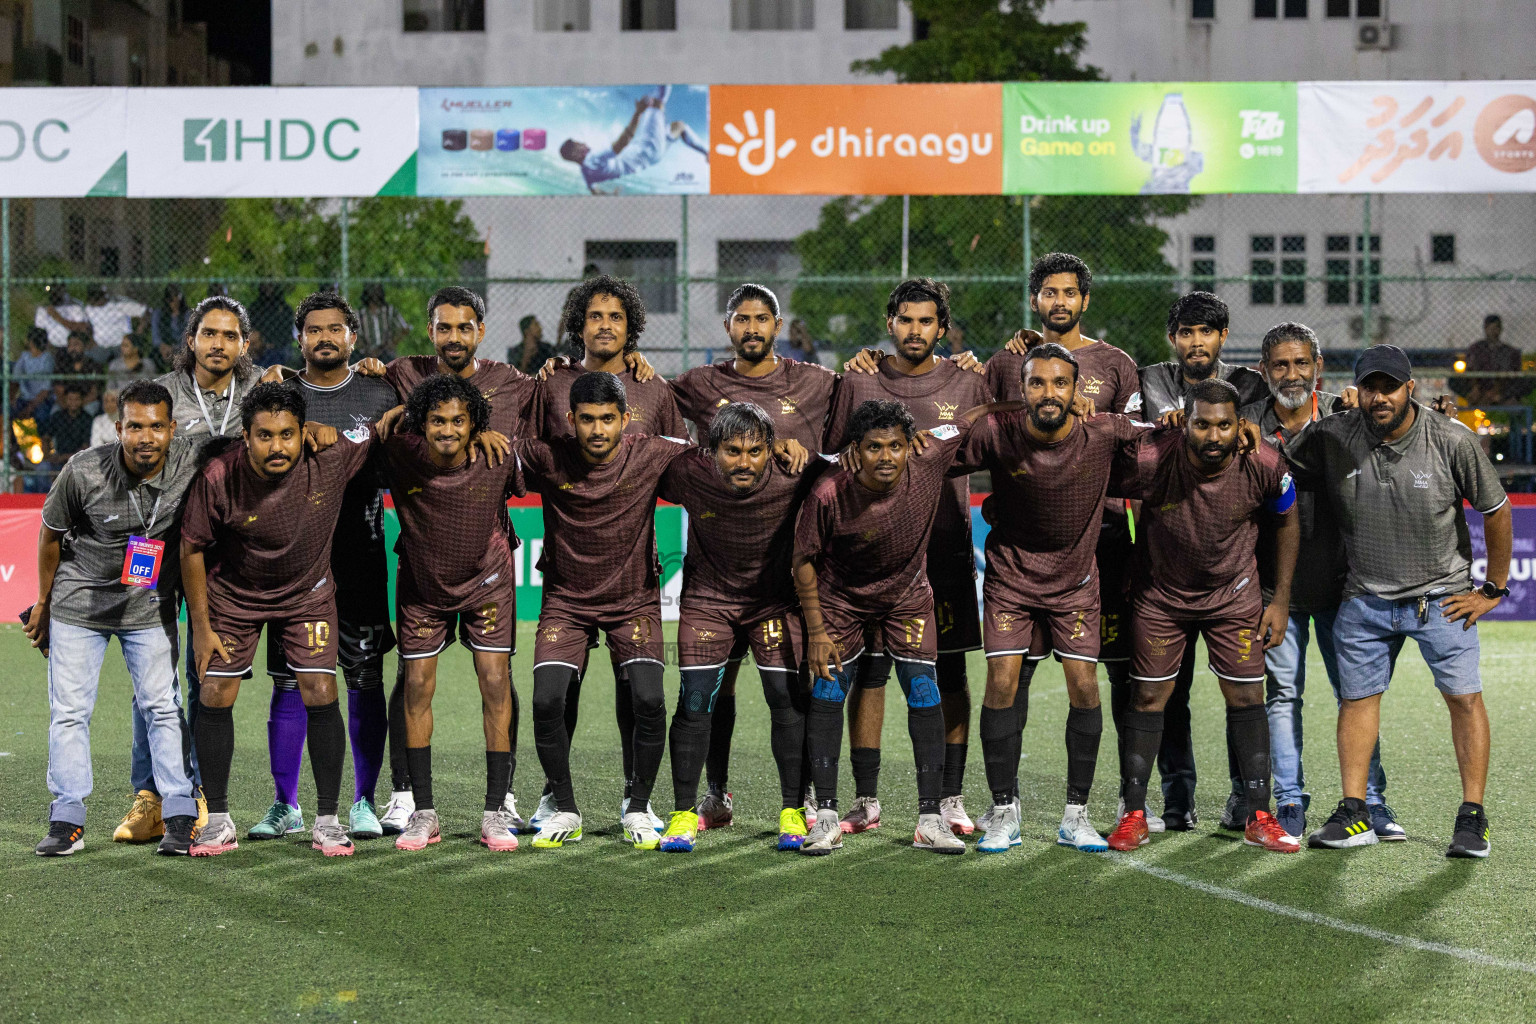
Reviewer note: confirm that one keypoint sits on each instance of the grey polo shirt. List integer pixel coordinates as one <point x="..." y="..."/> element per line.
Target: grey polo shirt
<point x="92" y="502"/>
<point x="218" y="412"/>
<point x="1399" y="504"/>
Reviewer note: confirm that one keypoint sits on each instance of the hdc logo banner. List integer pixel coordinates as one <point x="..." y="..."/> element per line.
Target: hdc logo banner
<point x="63" y="142"/>
<point x="272" y="142"/>
<point x="855" y="139"/>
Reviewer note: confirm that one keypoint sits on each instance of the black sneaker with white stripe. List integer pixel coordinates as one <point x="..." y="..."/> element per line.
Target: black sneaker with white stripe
<point x="1349" y="825"/>
<point x="1470" y="838"/>
<point x="63" y="839"/>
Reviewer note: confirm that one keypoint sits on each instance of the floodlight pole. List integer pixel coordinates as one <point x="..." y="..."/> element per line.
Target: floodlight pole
<point x="906" y="225"/>
<point x="1029" y="257"/>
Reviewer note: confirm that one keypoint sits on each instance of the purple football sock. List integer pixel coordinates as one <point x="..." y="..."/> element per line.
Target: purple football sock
<point x="367" y="725"/>
<point x="287" y="723"/>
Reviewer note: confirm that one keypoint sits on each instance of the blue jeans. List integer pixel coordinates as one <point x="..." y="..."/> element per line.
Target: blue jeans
<point x="1285" y="670"/>
<point x="74" y="673"/>
<point x="1370" y="631"/>
<point x="142" y="774"/>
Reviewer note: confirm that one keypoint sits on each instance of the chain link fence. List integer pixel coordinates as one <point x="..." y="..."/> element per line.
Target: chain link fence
<point x="1419" y="271"/>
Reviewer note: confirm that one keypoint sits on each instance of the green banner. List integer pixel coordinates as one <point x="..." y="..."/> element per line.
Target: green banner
<point x="1148" y="137"/>
<point x="528" y="521"/>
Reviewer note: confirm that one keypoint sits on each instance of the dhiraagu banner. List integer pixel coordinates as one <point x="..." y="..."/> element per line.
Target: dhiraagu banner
<point x="1125" y="138"/>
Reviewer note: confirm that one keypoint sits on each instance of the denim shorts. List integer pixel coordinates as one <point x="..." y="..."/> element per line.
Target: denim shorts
<point x="1369" y="632"/>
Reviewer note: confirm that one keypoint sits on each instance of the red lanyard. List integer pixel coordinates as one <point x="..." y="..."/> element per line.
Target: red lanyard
<point x="1280" y="431"/>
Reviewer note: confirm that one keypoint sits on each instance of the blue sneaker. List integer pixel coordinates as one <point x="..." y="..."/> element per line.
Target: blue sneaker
<point x="1384" y="823"/>
<point x="280" y="820"/>
<point x="1292" y="818"/>
<point x="364" y="821"/>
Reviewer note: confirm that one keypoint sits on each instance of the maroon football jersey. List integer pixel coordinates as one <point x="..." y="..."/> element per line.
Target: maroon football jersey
<point x="268" y="542"/>
<point x="1105" y="375"/>
<point x="1048" y="498"/>
<point x="652" y="409"/>
<point x="513" y="394"/>
<point x="599" y="521"/>
<point x="934" y="399"/>
<point x="796" y="396"/>
<point x="870" y="547"/>
<point x="739" y="545"/>
<point x="452" y="539"/>
<point x="1201" y="532"/>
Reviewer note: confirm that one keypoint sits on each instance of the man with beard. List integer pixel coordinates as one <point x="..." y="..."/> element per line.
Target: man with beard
<point x="737" y="589"/>
<point x="935" y="391"/>
<point x="455" y="575"/>
<point x="1205" y="509"/>
<point x="256" y="550"/>
<point x="1292" y="364"/>
<point x="334" y="395"/>
<point x="1395" y="476"/>
<point x="1050" y="471"/>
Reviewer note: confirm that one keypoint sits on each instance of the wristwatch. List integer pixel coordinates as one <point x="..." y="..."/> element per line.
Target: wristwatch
<point x="1492" y="591"/>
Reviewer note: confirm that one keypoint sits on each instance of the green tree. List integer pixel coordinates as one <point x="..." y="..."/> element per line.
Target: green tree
<point x="852" y="257"/>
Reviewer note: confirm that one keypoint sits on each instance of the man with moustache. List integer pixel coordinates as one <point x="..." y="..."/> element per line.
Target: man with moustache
<point x="1206" y="508"/>
<point x="1395" y="475"/>
<point x="1291" y="361"/>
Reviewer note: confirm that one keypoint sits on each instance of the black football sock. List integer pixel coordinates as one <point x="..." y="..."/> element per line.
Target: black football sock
<point x="650" y="731"/>
<point x="1248" y="734"/>
<point x="926" y="728"/>
<point x="1121" y="690"/>
<point x="1084" y="728"/>
<point x="786" y="732"/>
<point x="689" y="739"/>
<point x="954" y="768"/>
<point x="1000" y="745"/>
<point x="866" y="770"/>
<point x="573" y="698"/>
<point x="824" y="736"/>
<point x="327" y="740"/>
<point x="551" y="738"/>
<point x="517" y="714"/>
<point x="624" y="715"/>
<point x="721" y="728"/>
<point x="214" y="734"/>
<point x="1021" y="715"/>
<point x="420" y="759"/>
<point x="957" y="711"/>
<point x="399" y="769"/>
<point x="498" y="776"/>
<point x="1143" y="736"/>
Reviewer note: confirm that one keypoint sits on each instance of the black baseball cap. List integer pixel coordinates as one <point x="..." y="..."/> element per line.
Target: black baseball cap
<point x="1387" y="359"/>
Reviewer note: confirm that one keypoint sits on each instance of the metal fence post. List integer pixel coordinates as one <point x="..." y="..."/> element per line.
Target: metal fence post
<point x="5" y="338"/>
<point x="906" y="227"/>
<point x="346" y="253"/>
<point x="684" y="282"/>
<point x="1365" y="277"/>
<point x="1029" y="258"/>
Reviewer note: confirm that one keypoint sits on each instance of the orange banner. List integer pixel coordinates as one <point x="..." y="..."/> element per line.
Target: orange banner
<point x="856" y="139"/>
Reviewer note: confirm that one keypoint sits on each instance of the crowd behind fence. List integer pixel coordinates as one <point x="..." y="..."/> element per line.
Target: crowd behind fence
<point x="95" y="291"/>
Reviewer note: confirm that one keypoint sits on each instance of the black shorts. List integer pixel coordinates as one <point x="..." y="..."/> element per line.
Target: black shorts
<point x="356" y="644"/>
<point x="1114" y="560"/>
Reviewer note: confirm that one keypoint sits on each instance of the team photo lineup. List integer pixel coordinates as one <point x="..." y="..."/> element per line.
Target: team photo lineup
<point x="1131" y="512"/>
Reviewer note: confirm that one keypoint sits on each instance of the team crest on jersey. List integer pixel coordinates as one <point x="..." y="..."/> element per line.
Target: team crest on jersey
<point x="549" y="634"/>
<point x="414" y="490"/>
<point x="357" y="435"/>
<point x="487" y="394"/>
<point x="706" y="515"/>
<point x="636" y="413"/>
<point x="788" y="406"/>
<point x="944" y="433"/>
<point x="1004" y="621"/>
<point x="317" y="497"/>
<point x="705" y="635"/>
<point x="567" y="487"/>
<point x="869" y="534"/>
<point x="722" y="402"/>
<point x="1021" y="471"/>
<point x="947" y="409"/>
<point x="1090" y="385"/>
<point x="1159" y="644"/>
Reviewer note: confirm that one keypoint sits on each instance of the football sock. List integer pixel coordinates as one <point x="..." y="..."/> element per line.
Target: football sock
<point x="624" y="714"/>
<point x="1121" y="690"/>
<point x="327" y="754"/>
<point x="650" y="730"/>
<point x="215" y="738"/>
<point x="957" y="712"/>
<point x="420" y="759"/>
<point x="824" y="735"/>
<point x="367" y="728"/>
<point x="1084" y="728"/>
<point x="399" y="768"/>
<point x="721" y="729"/>
<point x="866" y="770"/>
<point x="1000" y="747"/>
<point x="1021" y="714"/>
<point x="573" y="701"/>
<point x="287" y="723"/>
<point x="1248" y="734"/>
<point x="498" y="777"/>
<point x="786" y="731"/>
<point x="689" y="739"/>
<point x="1143" y="736"/>
<point x="926" y="728"/>
<point x="550" y="736"/>
<point x="954" y="768"/>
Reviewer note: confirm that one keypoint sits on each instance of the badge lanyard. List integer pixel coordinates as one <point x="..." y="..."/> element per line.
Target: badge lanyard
<point x="133" y="499"/>
<point x="203" y="406"/>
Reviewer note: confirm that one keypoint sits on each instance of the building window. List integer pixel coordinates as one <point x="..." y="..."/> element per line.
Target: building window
<point x="1202" y="268"/>
<point x="773" y="15"/>
<point x="649" y="16"/>
<point x="772" y="263"/>
<point x="1442" y="248"/>
<point x="1266" y="8"/>
<point x="1296" y="8"/>
<point x="1367" y="8"/>
<point x="562" y="16"/>
<point x="76" y="236"/>
<point x="862" y="15"/>
<point x="1336" y="9"/>
<point x="1261" y="267"/>
<point x="443" y="15"/>
<point x="1375" y="270"/>
<point x="652" y="266"/>
<point x="74" y="48"/>
<point x="1293" y="265"/>
<point x="1336" y="270"/>
<point x="1202" y="10"/>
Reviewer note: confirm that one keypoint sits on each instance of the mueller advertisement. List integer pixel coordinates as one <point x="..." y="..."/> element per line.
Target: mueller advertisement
<point x="602" y="140"/>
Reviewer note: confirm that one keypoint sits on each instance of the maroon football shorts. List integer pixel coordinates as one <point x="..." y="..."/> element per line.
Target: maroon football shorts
<point x="1160" y="625"/>
<point x="1016" y="624"/>
<point x="309" y="640"/>
<point x="567" y="632"/>
<point x="710" y="633"/>
<point x="907" y="629"/>
<point x="486" y="621"/>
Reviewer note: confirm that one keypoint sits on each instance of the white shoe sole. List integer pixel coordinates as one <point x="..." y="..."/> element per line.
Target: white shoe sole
<point x="1012" y="842"/>
<point x="1366" y="838"/>
<point x="1098" y="846"/>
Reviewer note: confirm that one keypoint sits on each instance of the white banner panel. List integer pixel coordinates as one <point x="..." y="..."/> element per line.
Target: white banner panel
<point x="63" y="142"/>
<point x="1417" y="136"/>
<point x="272" y="142"/>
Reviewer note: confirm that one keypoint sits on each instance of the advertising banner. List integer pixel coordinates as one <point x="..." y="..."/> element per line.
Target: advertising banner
<point x="1128" y="138"/>
<point x="856" y="139"/>
<point x="604" y="140"/>
<point x="63" y="142"/>
<point x="1417" y="136"/>
<point x="1521" y="602"/>
<point x="272" y="142"/>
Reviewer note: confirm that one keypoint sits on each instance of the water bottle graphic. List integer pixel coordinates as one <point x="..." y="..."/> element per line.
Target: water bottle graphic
<point x="1171" y="132"/>
<point x="1170" y="152"/>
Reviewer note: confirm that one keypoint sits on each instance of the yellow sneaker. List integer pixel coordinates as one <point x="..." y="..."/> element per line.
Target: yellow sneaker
<point x="682" y="833"/>
<point x="792" y="828"/>
<point x="142" y="822"/>
<point x="202" y="809"/>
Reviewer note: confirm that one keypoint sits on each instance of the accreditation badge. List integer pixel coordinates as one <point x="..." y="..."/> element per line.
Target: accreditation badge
<point x="141" y="564"/>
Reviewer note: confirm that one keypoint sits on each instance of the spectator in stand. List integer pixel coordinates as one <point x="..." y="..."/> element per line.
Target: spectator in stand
<point x="69" y="428"/>
<point x="104" y="426"/>
<point x="1492" y="353"/>
<point x="33" y="397"/>
<point x="273" y="318"/>
<point x="169" y="322"/>
<point x="382" y="325"/>
<point x="128" y="366"/>
<point x="799" y="344"/>
<point x="75" y="362"/>
<point x="532" y="351"/>
<point x="59" y="314"/>
<point x="112" y="318"/>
